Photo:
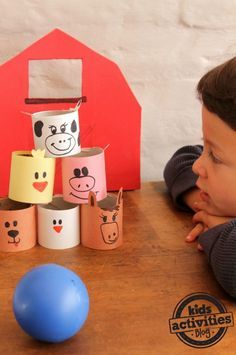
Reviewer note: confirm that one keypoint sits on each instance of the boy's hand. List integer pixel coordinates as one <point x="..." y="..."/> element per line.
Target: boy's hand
<point x="206" y="216"/>
<point x="195" y="232"/>
<point x="208" y="220"/>
<point x="204" y="221"/>
<point x="192" y="197"/>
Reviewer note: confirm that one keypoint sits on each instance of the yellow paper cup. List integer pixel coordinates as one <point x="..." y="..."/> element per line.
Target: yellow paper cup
<point x="102" y="222"/>
<point x="31" y="177"/>
<point x="83" y="173"/>
<point x="58" y="224"/>
<point x="57" y="131"/>
<point x="17" y="226"/>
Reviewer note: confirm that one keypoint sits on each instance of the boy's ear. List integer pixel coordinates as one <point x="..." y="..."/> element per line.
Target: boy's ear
<point x="119" y="197"/>
<point x="92" y="200"/>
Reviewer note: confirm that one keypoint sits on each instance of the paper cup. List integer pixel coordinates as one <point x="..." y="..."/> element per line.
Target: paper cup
<point x="102" y="222"/>
<point x="17" y="226"/>
<point x="57" y="132"/>
<point x="83" y="173"/>
<point x="31" y="177"/>
<point x="58" y="224"/>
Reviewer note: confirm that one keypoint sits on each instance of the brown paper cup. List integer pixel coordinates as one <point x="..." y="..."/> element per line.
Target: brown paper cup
<point x="102" y="222"/>
<point x="17" y="226"/>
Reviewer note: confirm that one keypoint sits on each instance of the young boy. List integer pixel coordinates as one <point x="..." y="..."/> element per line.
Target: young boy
<point x="203" y="179"/>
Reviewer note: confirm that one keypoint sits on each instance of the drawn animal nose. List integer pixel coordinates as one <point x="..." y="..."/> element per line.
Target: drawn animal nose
<point x="64" y="140"/>
<point x="40" y="186"/>
<point x="57" y="228"/>
<point x="13" y="233"/>
<point x="110" y="232"/>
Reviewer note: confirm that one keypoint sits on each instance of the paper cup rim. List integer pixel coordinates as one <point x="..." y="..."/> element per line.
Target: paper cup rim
<point x="27" y="154"/>
<point x="109" y="202"/>
<point x="67" y="205"/>
<point x="22" y="205"/>
<point x="52" y="113"/>
<point x="87" y="152"/>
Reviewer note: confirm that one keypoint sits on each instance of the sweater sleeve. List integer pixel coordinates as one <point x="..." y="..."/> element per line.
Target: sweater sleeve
<point x="219" y="244"/>
<point x="178" y="173"/>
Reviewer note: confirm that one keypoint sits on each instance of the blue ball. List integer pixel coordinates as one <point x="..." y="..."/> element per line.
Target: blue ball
<point x="51" y="303"/>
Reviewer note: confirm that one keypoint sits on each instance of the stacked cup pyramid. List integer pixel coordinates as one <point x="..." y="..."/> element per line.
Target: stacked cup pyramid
<point x="60" y="218"/>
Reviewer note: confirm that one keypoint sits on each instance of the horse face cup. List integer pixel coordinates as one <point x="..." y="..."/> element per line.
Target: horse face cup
<point x="102" y="222"/>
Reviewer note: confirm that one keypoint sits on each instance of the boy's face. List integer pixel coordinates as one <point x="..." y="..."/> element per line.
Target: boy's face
<point x="216" y="167"/>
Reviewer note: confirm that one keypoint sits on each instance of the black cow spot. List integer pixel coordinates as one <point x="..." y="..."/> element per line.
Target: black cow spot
<point x="38" y="126"/>
<point x="73" y="126"/>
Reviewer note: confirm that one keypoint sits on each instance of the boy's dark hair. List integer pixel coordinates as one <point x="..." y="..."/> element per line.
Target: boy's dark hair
<point x="217" y="91"/>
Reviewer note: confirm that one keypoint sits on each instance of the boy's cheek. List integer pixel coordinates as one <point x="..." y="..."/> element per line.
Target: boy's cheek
<point x="224" y="207"/>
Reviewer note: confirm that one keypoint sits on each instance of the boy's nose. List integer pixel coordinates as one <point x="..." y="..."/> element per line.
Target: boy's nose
<point x="198" y="168"/>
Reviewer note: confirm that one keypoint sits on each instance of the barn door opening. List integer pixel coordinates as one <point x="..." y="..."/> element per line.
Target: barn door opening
<point x="55" y="81"/>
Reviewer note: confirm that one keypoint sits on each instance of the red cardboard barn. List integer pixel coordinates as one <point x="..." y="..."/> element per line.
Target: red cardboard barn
<point x="111" y="114"/>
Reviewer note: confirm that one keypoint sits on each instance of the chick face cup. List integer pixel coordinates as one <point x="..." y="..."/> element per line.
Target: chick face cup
<point x="31" y="177"/>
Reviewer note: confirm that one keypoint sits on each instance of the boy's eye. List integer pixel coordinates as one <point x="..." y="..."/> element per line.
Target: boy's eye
<point x="214" y="158"/>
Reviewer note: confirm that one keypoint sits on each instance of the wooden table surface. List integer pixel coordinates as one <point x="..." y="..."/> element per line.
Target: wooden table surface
<point x="133" y="289"/>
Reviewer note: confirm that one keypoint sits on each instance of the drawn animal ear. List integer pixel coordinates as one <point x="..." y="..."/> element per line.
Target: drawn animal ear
<point x="92" y="200"/>
<point x="119" y="196"/>
<point x="38" y="126"/>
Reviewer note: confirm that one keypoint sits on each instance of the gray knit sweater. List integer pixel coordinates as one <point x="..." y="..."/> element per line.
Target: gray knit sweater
<point x="219" y="243"/>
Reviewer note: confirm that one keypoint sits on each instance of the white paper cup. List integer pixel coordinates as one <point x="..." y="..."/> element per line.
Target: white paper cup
<point x="57" y="132"/>
<point x="58" y="224"/>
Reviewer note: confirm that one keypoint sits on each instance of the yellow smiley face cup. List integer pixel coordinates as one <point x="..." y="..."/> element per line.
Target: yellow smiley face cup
<point x="31" y="177"/>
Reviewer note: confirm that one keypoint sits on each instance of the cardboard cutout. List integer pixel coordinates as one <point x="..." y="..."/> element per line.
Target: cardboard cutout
<point x="102" y="222"/>
<point x="17" y="226"/>
<point x="32" y="177"/>
<point x="111" y="114"/>
<point x="57" y="132"/>
<point x="58" y="224"/>
<point x="83" y="173"/>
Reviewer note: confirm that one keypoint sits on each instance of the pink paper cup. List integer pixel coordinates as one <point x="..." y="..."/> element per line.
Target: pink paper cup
<point x="83" y="173"/>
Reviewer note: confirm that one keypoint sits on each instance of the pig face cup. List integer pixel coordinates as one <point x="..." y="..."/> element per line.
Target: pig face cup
<point x="31" y="177"/>
<point x="83" y="173"/>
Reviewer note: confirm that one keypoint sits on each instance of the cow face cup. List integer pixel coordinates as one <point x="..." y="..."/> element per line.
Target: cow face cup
<point x="102" y="222"/>
<point x="57" y="132"/>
